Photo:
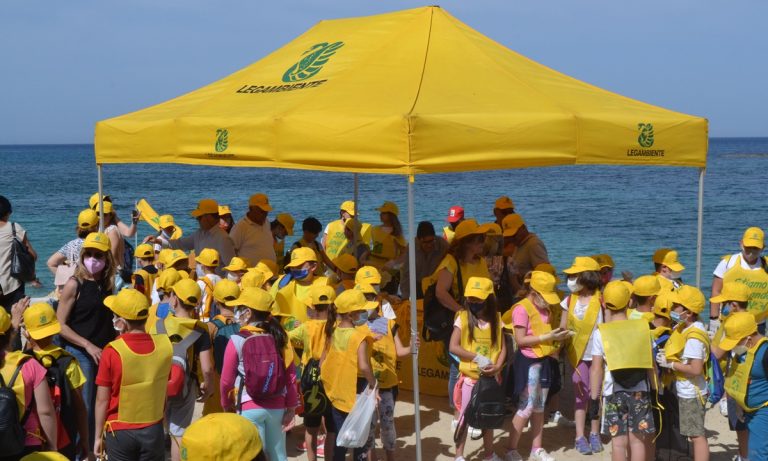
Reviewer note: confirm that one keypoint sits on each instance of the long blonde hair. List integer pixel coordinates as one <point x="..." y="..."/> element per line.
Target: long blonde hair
<point x="108" y="274"/>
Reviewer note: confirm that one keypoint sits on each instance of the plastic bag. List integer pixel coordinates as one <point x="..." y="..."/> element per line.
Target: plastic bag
<point x="354" y="431"/>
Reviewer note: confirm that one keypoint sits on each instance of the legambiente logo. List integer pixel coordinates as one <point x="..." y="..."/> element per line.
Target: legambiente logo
<point x="645" y="139"/>
<point x="222" y="140"/>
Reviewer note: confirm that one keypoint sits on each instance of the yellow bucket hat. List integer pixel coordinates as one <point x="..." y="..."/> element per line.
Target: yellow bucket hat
<point x="582" y="264"/>
<point x="41" y="322"/>
<point x="129" y="304"/>
<point x="478" y="287"/>
<point x="97" y="241"/>
<point x="221" y="437"/>
<point x="253" y="298"/>
<point x="616" y="295"/>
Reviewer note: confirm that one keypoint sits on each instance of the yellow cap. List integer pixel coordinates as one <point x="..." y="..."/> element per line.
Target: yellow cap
<point x="753" y="237"/>
<point x="237" y="264"/>
<point x="670" y="260"/>
<point x="369" y="275"/>
<point x="491" y="228"/>
<point x="260" y="201"/>
<point x="353" y="300"/>
<point x="163" y="256"/>
<point x="548" y="268"/>
<point x="41" y="322"/>
<point x="253" y="298"/>
<point x="366" y="288"/>
<point x="93" y="202"/>
<point x="646" y="285"/>
<point x="208" y="257"/>
<point x="349" y="207"/>
<point x="658" y="255"/>
<point x="253" y="278"/>
<point x="604" y="260"/>
<point x="175" y="256"/>
<point x="287" y="221"/>
<point x="225" y="290"/>
<point x="511" y="224"/>
<point x="87" y="218"/>
<point x="616" y="295"/>
<point x="662" y="306"/>
<point x="45" y="456"/>
<point x="689" y="297"/>
<point x="168" y="278"/>
<point x="5" y="321"/>
<point x="221" y="437"/>
<point x="353" y="225"/>
<point x="97" y="241"/>
<point x="224" y="210"/>
<point x="268" y="268"/>
<point x="166" y="220"/>
<point x="302" y="255"/>
<point x="732" y="291"/>
<point x="144" y="251"/>
<point x="346" y="263"/>
<point x="188" y="292"/>
<point x="544" y="284"/>
<point x="582" y="264"/>
<point x="629" y="286"/>
<point x="478" y="287"/>
<point x="466" y="228"/>
<point x="205" y="206"/>
<point x="321" y="294"/>
<point x="737" y="326"/>
<point x="504" y="203"/>
<point x="129" y="304"/>
<point x="389" y="207"/>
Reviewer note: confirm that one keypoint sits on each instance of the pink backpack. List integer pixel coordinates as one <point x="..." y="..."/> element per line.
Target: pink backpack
<point x="265" y="374"/>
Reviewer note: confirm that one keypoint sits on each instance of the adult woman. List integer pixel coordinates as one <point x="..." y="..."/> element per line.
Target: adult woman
<point x="387" y="243"/>
<point x="11" y="289"/>
<point x="87" y="222"/>
<point x="86" y="323"/>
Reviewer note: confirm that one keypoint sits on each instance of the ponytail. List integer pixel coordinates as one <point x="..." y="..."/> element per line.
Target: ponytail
<point x="330" y="323"/>
<point x="271" y="326"/>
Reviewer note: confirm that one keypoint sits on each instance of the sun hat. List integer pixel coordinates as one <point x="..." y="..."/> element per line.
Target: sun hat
<point x="737" y="326"/>
<point x="349" y="207"/>
<point x="253" y="298"/>
<point x="753" y="237"/>
<point x="87" y="218"/>
<point x="478" y="287"/>
<point x="144" y="251"/>
<point x="253" y="278"/>
<point x="466" y="228"/>
<point x="129" y="304"/>
<point x="237" y="263"/>
<point x="369" y="275"/>
<point x="97" y="241"/>
<point x="224" y="210"/>
<point x="616" y="295"/>
<point x="511" y="224"/>
<point x="346" y="263"/>
<point x="188" y="292"/>
<point x="604" y="260"/>
<point x="732" y="291"/>
<point x="689" y="297"/>
<point x="455" y="214"/>
<point x="287" y="221"/>
<point x="41" y="322"/>
<point x="168" y="278"/>
<point x="646" y="285"/>
<point x="166" y="220"/>
<point x="260" y="201"/>
<point x="321" y="294"/>
<point x="221" y="437"/>
<point x="389" y="207"/>
<point x="658" y="255"/>
<point x="302" y="255"/>
<point x="204" y="207"/>
<point x="544" y="284"/>
<point x="504" y="203"/>
<point x="225" y="290"/>
<point x="208" y="257"/>
<point x="670" y="260"/>
<point x="582" y="264"/>
<point x="353" y="300"/>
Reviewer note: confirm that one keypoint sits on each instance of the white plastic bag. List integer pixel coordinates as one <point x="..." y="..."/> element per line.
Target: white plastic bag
<point x="354" y="431"/>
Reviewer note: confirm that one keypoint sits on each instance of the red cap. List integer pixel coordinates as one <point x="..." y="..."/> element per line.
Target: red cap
<point x="455" y="214"/>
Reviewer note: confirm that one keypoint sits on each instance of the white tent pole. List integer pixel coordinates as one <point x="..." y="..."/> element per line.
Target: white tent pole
<point x="414" y="318"/>
<point x="700" y="226"/>
<point x="354" y="198"/>
<point x="101" y="200"/>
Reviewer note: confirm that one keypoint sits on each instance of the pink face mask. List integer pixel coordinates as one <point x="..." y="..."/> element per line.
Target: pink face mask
<point x="94" y="265"/>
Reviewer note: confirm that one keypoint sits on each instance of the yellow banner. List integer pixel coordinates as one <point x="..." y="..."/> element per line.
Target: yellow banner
<point x="149" y="215"/>
<point x="433" y="358"/>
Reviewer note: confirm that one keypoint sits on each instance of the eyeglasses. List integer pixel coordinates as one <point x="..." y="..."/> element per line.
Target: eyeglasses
<point x="94" y="254"/>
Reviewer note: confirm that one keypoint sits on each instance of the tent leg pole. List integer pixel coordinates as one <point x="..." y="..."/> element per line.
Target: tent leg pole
<point x="414" y="319"/>
<point x="101" y="199"/>
<point x="355" y="197"/>
<point x="700" y="226"/>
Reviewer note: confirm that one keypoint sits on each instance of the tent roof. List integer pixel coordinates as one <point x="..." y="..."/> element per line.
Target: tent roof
<point x="409" y="92"/>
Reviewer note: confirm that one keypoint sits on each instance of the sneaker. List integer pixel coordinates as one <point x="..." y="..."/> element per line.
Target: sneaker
<point x="558" y="419"/>
<point x="301" y="446"/>
<point x="582" y="446"/>
<point x="320" y="450"/>
<point x="474" y="433"/>
<point x="494" y="457"/>
<point x="540" y="454"/>
<point x="459" y="458"/>
<point x="513" y="455"/>
<point x="724" y="406"/>
<point x="595" y="443"/>
<point x="454" y="425"/>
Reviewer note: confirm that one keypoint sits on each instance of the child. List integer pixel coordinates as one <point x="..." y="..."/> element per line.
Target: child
<point x="221" y="328"/>
<point x="346" y="268"/>
<point x="311" y="229"/>
<point x="63" y="371"/>
<point x="222" y="436"/>
<point x="272" y="414"/>
<point x="346" y="370"/>
<point x="625" y="348"/>
<point x="208" y="261"/>
<point x="132" y="381"/>
<point x="236" y="269"/>
<point x="478" y="342"/>
<point x="144" y="278"/>
<point x="685" y="354"/>
<point x="644" y="291"/>
<point x="535" y="361"/>
<point x="583" y="313"/>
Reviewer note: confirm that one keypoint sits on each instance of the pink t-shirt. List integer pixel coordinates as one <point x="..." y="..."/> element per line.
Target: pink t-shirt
<point x="33" y="374"/>
<point x="520" y="319"/>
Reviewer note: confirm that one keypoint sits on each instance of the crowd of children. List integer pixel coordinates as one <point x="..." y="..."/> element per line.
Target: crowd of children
<point x="117" y="365"/>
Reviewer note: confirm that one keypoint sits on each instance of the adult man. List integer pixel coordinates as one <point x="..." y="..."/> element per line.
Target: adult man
<point x="334" y="239"/>
<point x="455" y="216"/>
<point x="746" y="267"/>
<point x="252" y="235"/>
<point x="504" y="206"/>
<point x="528" y="251"/>
<point x="209" y="235"/>
<point x="430" y="250"/>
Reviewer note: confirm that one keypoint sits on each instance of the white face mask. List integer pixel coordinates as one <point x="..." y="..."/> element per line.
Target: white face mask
<point x="233" y="277"/>
<point x="673" y="275"/>
<point x="738" y="351"/>
<point x="574" y="286"/>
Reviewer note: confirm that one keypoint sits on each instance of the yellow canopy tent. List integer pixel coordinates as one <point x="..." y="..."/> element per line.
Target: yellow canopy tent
<point x="409" y="92"/>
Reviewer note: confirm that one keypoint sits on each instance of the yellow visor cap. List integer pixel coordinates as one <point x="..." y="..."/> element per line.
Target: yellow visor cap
<point x="237" y="264"/>
<point x="670" y="260"/>
<point x="287" y="221"/>
<point x="369" y="275"/>
<point x="208" y="257"/>
<point x="753" y="237"/>
<point x="225" y="290"/>
<point x="353" y="300"/>
<point x="260" y="201"/>
<point x="646" y="285"/>
<point x="205" y="206"/>
<point x="97" y="241"/>
<point x="301" y="255"/>
<point x="467" y="228"/>
<point x="689" y="297"/>
<point x="346" y="263"/>
<point x="732" y="291"/>
<point x="389" y="207"/>
<point x="188" y="291"/>
<point x="253" y="278"/>
<point x="144" y="251"/>
<point x="321" y="294"/>
<point x="87" y="218"/>
<point x="511" y="224"/>
<point x="504" y="203"/>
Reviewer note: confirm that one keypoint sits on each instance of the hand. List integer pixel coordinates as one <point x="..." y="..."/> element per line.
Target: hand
<point x="149" y="239"/>
<point x="97" y="448"/>
<point x="560" y="334"/>
<point x="94" y="352"/>
<point x="205" y="393"/>
<point x="289" y="419"/>
<point x="17" y="312"/>
<point x="482" y="361"/>
<point x="714" y="325"/>
<point x="661" y="359"/>
<point x="627" y="275"/>
<point x="593" y="410"/>
<point x="415" y="343"/>
<point x="85" y="451"/>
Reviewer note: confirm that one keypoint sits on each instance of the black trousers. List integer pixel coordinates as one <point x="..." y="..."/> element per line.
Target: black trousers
<point x="147" y="444"/>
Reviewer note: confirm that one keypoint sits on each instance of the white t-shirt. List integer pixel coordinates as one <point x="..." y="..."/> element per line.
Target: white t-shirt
<point x="608" y="384"/>
<point x="579" y="311"/>
<point x="694" y="349"/>
<point x="729" y="262"/>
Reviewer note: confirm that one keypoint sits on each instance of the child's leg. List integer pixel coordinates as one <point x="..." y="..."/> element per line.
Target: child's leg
<point x="636" y="446"/>
<point x="537" y="418"/>
<point x="310" y="440"/>
<point x="619" y="445"/>
<point x="466" y="396"/>
<point x="692" y="412"/>
<point x="526" y="404"/>
<point x="487" y="443"/>
<point x="387" y="421"/>
<point x="580" y="380"/>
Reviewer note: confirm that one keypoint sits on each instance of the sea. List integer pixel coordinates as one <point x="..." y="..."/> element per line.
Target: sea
<point x="625" y="211"/>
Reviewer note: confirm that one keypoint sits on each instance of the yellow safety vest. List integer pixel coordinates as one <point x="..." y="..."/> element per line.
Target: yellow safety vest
<point x="757" y="282"/>
<point x="339" y="371"/>
<point x="335" y="241"/>
<point x="658" y="332"/>
<point x="627" y="344"/>
<point x="292" y="299"/>
<point x="448" y="233"/>
<point x="144" y="381"/>
<point x="538" y="327"/>
<point x="738" y="379"/>
<point x="148" y="279"/>
<point x="583" y="328"/>
<point x="310" y="338"/>
<point x="384" y="357"/>
<point x="675" y="345"/>
<point x="384" y="246"/>
<point x="12" y="360"/>
<point x="634" y="314"/>
<point x="177" y="329"/>
<point x="480" y="345"/>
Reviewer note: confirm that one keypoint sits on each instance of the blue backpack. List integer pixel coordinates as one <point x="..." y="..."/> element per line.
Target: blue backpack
<point x="715" y="380"/>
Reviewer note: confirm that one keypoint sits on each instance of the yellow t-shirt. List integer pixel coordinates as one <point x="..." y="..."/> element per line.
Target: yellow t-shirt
<point x="474" y="269"/>
<point x="74" y="372"/>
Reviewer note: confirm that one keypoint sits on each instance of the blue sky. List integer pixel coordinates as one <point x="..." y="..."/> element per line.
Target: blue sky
<point x="66" y="65"/>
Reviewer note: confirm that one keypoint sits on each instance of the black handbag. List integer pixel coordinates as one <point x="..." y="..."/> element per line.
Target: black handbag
<point x="438" y="319"/>
<point x="22" y="261"/>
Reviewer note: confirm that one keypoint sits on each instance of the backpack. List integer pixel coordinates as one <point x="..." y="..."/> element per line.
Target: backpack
<point x="438" y="319"/>
<point x="12" y="432"/>
<point x="181" y="370"/>
<point x="61" y="395"/>
<point x="264" y="367"/>
<point x="315" y="399"/>
<point x="487" y="405"/>
<point x="221" y="337"/>
<point x="128" y="261"/>
<point x="715" y="380"/>
<point x="629" y="377"/>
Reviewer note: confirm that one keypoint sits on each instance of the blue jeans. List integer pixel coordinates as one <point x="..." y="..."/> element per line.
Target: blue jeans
<point x="89" y="368"/>
<point x="270" y="426"/>
<point x="453" y="377"/>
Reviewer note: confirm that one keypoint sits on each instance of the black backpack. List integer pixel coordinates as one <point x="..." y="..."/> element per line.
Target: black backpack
<point x="56" y="375"/>
<point x="12" y="433"/>
<point x="128" y="261"/>
<point x="438" y="319"/>
<point x="315" y="399"/>
<point x="486" y="408"/>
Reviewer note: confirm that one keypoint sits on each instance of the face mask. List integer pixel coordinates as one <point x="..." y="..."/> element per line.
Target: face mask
<point x="725" y="310"/>
<point x="739" y="351"/>
<point x="476" y="308"/>
<point x="233" y="277"/>
<point x="675" y="316"/>
<point x="675" y="275"/>
<point x="93" y="265"/>
<point x="299" y="274"/>
<point x="239" y="315"/>
<point x="361" y="320"/>
<point x="165" y="235"/>
<point x="574" y="286"/>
